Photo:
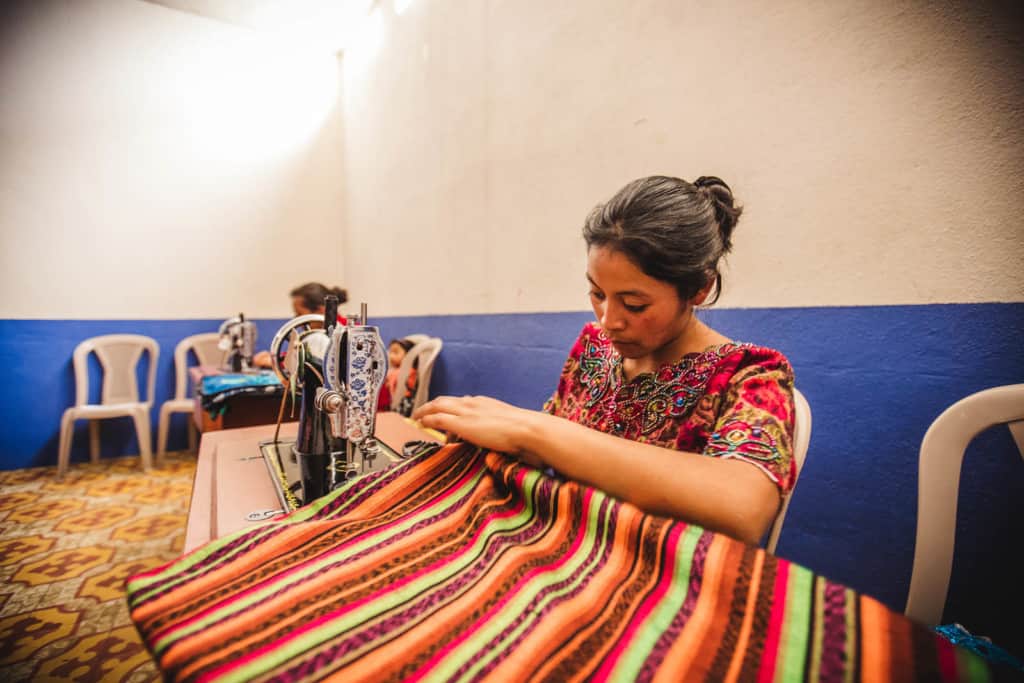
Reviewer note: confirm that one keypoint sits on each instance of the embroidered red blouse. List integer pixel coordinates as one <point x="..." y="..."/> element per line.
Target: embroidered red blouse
<point x="728" y="401"/>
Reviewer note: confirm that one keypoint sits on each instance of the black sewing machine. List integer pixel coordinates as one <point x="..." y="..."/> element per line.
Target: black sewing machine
<point x="334" y="373"/>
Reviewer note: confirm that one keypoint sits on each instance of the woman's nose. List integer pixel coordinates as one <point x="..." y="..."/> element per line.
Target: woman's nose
<point x="611" y="317"/>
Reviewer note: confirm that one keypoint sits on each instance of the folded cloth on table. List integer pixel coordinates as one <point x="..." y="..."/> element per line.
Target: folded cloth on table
<point x="980" y="645"/>
<point x="215" y="389"/>
<point x="465" y="565"/>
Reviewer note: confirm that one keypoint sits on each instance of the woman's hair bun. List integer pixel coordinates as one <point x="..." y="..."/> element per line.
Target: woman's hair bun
<point x="727" y="213"/>
<point x="340" y="293"/>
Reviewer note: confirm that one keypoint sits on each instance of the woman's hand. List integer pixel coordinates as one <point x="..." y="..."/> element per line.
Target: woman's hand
<point x="483" y="421"/>
<point x="262" y="360"/>
<point x="662" y="481"/>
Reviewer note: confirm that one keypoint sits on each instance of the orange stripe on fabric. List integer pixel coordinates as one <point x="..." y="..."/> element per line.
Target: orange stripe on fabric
<point x="693" y="654"/>
<point x="640" y="585"/>
<point x="428" y="480"/>
<point x="539" y="653"/>
<point x="210" y="643"/>
<point x="386" y="661"/>
<point x="682" y="660"/>
<point x="604" y="591"/>
<point x="292" y="538"/>
<point x="359" y="574"/>
<point x="736" y="664"/>
<point x="901" y="653"/>
<point x="201" y="586"/>
<point x="880" y="635"/>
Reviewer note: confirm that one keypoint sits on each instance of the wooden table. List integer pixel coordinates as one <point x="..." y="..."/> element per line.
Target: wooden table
<point x="232" y="480"/>
<point x="243" y="410"/>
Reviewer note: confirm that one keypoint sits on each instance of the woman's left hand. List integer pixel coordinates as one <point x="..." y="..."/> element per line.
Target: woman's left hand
<point x="483" y="421"/>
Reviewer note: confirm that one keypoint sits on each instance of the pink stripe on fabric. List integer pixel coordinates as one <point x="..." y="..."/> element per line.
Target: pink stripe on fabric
<point x="646" y="607"/>
<point x="483" y="619"/>
<point x="946" y="654"/>
<point x="376" y="531"/>
<point x="349" y="607"/>
<point x="766" y="672"/>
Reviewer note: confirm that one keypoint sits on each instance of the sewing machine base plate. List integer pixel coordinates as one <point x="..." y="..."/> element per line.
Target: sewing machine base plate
<point x="285" y="472"/>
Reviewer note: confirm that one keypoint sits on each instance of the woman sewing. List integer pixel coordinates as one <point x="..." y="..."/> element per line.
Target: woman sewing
<point x="306" y="299"/>
<point x="653" y="406"/>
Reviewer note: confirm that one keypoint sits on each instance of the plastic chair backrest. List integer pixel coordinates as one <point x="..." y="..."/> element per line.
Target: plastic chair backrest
<point x="801" y="441"/>
<point x="423" y="354"/>
<point x="207" y="352"/>
<point x="939" y="463"/>
<point x="119" y="356"/>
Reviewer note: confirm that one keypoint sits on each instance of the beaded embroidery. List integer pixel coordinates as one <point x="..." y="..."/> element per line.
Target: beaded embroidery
<point x="731" y="400"/>
<point x="739" y="438"/>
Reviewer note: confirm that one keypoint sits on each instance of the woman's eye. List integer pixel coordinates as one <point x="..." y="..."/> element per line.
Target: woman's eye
<point x="635" y="308"/>
<point x="596" y="295"/>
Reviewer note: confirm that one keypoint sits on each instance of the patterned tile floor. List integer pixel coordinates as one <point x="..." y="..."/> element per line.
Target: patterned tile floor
<point x="66" y="548"/>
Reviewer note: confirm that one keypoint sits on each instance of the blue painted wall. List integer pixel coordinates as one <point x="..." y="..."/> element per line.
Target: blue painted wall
<point x="875" y="378"/>
<point x="39" y="383"/>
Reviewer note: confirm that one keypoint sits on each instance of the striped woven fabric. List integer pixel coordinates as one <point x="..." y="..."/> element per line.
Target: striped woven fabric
<point x="466" y="565"/>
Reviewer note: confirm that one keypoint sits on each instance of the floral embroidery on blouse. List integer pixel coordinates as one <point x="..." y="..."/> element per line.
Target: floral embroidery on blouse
<point x="730" y="401"/>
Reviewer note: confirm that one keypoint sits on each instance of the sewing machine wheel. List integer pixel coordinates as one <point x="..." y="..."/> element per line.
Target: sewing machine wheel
<point x="283" y="348"/>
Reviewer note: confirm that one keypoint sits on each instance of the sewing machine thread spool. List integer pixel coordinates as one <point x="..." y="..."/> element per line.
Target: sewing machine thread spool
<point x="330" y="312"/>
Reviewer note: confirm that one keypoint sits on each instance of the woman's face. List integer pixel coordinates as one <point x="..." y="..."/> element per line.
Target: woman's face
<point x="395" y="355"/>
<point x="644" y="317"/>
<point x="300" y="308"/>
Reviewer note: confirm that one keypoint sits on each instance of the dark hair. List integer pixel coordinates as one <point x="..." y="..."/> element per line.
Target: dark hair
<point x="672" y="230"/>
<point x="406" y="344"/>
<point x="313" y="294"/>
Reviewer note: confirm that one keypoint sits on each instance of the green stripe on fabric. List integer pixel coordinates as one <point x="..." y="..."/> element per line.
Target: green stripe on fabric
<point x="298" y="576"/>
<point x="660" y="618"/>
<point x="576" y="570"/>
<point x="181" y="567"/>
<point x="284" y="651"/>
<point x="188" y="567"/>
<point x="970" y="667"/>
<point x="794" y="636"/>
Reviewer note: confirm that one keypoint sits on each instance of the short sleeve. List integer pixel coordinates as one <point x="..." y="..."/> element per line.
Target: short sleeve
<point x="567" y="379"/>
<point x="755" y="420"/>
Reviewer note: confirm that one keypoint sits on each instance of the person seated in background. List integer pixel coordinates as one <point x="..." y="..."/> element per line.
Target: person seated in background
<point x="653" y="406"/>
<point x="397" y="350"/>
<point x="307" y="298"/>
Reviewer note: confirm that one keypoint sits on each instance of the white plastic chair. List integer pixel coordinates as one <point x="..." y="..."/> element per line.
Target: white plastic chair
<point x="939" y="463"/>
<point x="423" y="353"/>
<point x="801" y="440"/>
<point x="207" y="352"/>
<point x="119" y="356"/>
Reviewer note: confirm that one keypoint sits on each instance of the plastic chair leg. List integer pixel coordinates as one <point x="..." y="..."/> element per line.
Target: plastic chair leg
<point x="141" y="419"/>
<point x="161" y="434"/>
<point x="67" y="425"/>
<point x="94" y="440"/>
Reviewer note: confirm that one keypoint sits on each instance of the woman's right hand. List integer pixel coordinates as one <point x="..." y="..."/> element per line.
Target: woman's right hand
<point x="484" y="421"/>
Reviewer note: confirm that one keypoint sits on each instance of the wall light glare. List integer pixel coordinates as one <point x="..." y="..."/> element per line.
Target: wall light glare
<point x="366" y="39"/>
<point x="401" y="5"/>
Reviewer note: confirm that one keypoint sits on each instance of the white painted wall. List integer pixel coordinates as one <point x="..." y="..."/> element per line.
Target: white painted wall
<point x="877" y="147"/>
<point x="155" y="164"/>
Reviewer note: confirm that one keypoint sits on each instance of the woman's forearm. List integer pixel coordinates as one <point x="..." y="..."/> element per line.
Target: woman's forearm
<point x="728" y="496"/>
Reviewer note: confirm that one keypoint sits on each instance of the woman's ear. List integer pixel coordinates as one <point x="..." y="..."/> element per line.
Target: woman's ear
<point x="701" y="296"/>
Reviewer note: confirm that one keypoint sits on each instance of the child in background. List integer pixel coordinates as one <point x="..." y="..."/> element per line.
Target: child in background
<point x="397" y="348"/>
